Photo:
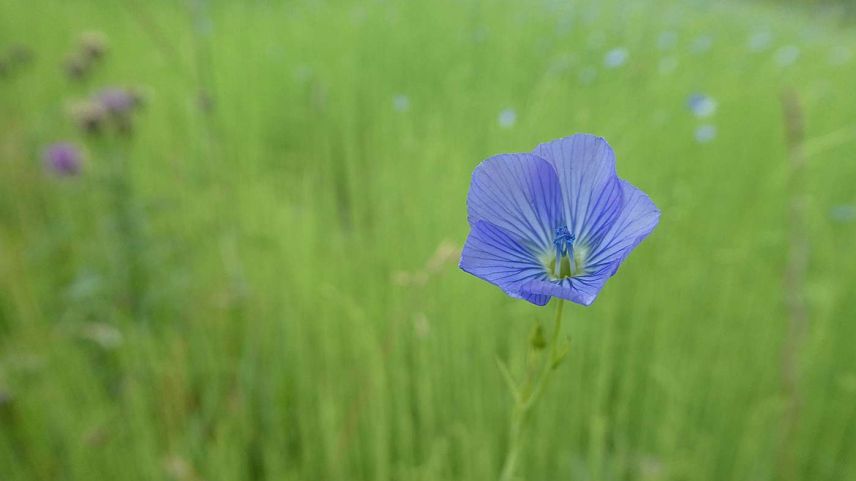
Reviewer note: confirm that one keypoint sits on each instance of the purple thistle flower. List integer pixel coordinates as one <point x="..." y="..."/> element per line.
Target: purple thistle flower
<point x="63" y="158"/>
<point x="556" y="222"/>
<point x="117" y="101"/>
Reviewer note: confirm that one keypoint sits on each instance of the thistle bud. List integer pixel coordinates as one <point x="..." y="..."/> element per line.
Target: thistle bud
<point x="89" y="116"/>
<point x="20" y="55"/>
<point x="76" y="66"/>
<point x="93" y="45"/>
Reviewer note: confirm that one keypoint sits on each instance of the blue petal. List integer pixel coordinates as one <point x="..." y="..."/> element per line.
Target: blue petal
<point x="519" y="193"/>
<point x="637" y="219"/>
<point x="585" y="165"/>
<point x="581" y="289"/>
<point x="492" y="254"/>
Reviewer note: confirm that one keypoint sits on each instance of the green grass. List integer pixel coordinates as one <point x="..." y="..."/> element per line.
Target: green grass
<point x="299" y="313"/>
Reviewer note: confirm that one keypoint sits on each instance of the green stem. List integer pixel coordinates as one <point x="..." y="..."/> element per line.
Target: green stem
<point x="528" y="397"/>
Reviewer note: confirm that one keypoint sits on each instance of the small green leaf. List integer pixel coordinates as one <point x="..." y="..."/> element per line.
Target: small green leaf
<point x="536" y="338"/>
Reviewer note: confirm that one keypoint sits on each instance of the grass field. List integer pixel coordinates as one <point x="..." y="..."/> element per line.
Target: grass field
<point x="260" y="281"/>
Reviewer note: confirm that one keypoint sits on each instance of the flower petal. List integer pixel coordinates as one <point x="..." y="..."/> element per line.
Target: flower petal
<point x="492" y="254"/>
<point x="519" y="193"/>
<point x="637" y="219"/>
<point x="581" y="289"/>
<point x="585" y="165"/>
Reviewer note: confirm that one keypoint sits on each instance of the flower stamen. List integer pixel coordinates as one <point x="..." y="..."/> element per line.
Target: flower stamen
<point x="565" y="261"/>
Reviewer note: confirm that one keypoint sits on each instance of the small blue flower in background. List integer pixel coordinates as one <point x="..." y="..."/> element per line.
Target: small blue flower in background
<point x="63" y="159"/>
<point x="615" y="57"/>
<point x="701" y="105"/>
<point x="705" y="133"/>
<point x="787" y="55"/>
<point x="556" y="222"/>
<point x="844" y="213"/>
<point x="507" y="118"/>
<point x="401" y="103"/>
<point x="587" y="75"/>
<point x="667" y="65"/>
<point x="701" y="44"/>
<point x="839" y="55"/>
<point x="667" y="40"/>
<point x="759" y="41"/>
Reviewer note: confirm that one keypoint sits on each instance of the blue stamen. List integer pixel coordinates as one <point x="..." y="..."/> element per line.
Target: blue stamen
<point x="564" y="243"/>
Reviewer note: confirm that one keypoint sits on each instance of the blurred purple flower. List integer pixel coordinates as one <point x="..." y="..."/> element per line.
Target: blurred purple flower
<point x="117" y="101"/>
<point x="63" y="158"/>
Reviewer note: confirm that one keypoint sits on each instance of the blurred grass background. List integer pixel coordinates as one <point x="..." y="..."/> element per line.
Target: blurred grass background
<point x="273" y="292"/>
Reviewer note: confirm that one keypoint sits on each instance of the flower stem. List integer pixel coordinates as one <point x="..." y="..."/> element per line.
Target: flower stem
<point x="528" y="395"/>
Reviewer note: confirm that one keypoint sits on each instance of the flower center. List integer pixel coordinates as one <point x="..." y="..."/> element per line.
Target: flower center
<point x="566" y="261"/>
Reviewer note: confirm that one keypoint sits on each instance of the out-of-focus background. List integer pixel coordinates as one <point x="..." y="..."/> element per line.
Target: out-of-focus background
<point x="240" y="262"/>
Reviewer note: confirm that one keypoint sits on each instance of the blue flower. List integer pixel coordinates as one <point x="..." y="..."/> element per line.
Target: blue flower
<point x="556" y="222"/>
<point x="705" y="133"/>
<point x="787" y="55"/>
<point x="844" y="213"/>
<point x="507" y="118"/>
<point x="615" y="57"/>
<point x="401" y="103"/>
<point x="701" y="105"/>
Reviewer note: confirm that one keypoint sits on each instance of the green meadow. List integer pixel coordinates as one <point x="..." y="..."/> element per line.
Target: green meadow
<point x="257" y="279"/>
